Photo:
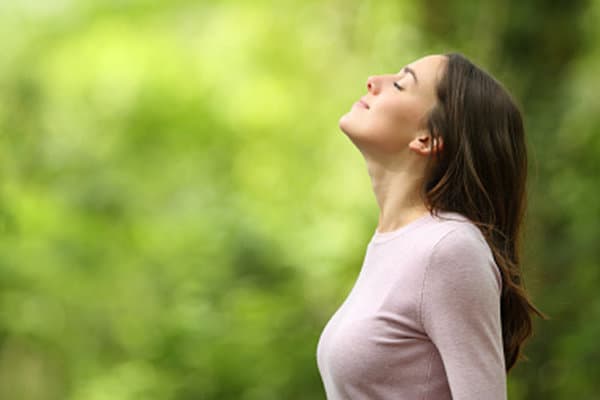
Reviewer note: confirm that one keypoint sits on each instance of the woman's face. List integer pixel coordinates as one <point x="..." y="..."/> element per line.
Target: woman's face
<point x="392" y="113"/>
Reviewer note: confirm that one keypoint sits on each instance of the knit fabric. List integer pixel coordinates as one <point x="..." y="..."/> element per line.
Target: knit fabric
<point x="422" y="321"/>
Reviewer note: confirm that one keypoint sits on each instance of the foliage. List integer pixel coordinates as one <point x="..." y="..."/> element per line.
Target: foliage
<point x="180" y="215"/>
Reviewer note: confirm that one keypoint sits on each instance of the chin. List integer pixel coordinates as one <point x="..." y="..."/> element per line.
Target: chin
<point x="345" y="123"/>
<point x="350" y="130"/>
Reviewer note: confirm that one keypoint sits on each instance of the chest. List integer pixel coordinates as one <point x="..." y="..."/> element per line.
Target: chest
<point x="378" y="326"/>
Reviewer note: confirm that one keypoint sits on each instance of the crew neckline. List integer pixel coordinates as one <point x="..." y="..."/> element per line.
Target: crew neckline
<point x="379" y="237"/>
<point x="384" y="236"/>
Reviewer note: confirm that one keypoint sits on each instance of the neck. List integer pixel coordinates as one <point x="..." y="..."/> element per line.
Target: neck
<point x="397" y="191"/>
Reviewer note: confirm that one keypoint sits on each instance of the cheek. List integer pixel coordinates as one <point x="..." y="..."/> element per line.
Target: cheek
<point x="395" y="124"/>
<point x="402" y="116"/>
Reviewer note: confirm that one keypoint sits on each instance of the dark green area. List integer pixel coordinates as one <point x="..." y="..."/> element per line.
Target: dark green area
<point x="180" y="215"/>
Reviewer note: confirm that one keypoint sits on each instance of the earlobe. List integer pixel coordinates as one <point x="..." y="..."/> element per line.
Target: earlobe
<point x="438" y="145"/>
<point x="424" y="146"/>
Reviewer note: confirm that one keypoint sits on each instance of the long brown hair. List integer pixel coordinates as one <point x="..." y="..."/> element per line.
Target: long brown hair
<point x="481" y="173"/>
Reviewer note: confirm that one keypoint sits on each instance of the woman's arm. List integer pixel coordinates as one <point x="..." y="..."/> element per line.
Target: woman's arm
<point x="460" y="312"/>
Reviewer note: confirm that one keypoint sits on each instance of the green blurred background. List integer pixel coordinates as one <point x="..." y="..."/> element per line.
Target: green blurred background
<point x="180" y="214"/>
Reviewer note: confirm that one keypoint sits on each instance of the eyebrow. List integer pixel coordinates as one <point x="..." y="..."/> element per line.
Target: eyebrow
<point x="410" y="71"/>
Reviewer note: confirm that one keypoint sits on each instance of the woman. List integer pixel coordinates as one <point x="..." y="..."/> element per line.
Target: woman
<point x="438" y="310"/>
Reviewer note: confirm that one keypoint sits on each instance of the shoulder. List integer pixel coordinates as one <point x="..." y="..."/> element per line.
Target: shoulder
<point x="461" y="276"/>
<point x="453" y="233"/>
<point x="460" y="250"/>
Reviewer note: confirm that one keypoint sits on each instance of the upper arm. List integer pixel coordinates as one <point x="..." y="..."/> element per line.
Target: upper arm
<point x="460" y="312"/>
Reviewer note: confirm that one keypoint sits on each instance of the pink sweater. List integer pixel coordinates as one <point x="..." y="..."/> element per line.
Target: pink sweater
<point x="422" y="321"/>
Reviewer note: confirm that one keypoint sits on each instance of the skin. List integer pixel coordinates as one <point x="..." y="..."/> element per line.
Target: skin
<point x="388" y="127"/>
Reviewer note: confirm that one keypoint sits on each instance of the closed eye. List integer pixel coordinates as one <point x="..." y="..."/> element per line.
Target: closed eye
<point x="398" y="86"/>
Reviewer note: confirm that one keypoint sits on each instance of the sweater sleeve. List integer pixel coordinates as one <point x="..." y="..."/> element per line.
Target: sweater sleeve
<point x="460" y="312"/>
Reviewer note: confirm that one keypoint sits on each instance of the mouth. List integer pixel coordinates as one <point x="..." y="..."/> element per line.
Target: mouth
<point x="363" y="104"/>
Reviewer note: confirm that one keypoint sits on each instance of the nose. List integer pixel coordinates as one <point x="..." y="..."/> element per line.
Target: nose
<point x="373" y="84"/>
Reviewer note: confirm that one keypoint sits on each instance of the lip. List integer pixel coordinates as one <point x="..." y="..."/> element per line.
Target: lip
<point x="363" y="103"/>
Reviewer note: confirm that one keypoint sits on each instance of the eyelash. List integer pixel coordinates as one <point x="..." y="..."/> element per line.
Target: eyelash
<point x="398" y="86"/>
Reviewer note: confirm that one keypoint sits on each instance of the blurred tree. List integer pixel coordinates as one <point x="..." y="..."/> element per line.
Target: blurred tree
<point x="180" y="215"/>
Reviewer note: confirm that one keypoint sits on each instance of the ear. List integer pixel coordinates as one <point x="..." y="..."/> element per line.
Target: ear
<point x="425" y="145"/>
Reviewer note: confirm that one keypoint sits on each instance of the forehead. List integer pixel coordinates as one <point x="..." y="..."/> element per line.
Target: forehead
<point x="429" y="68"/>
